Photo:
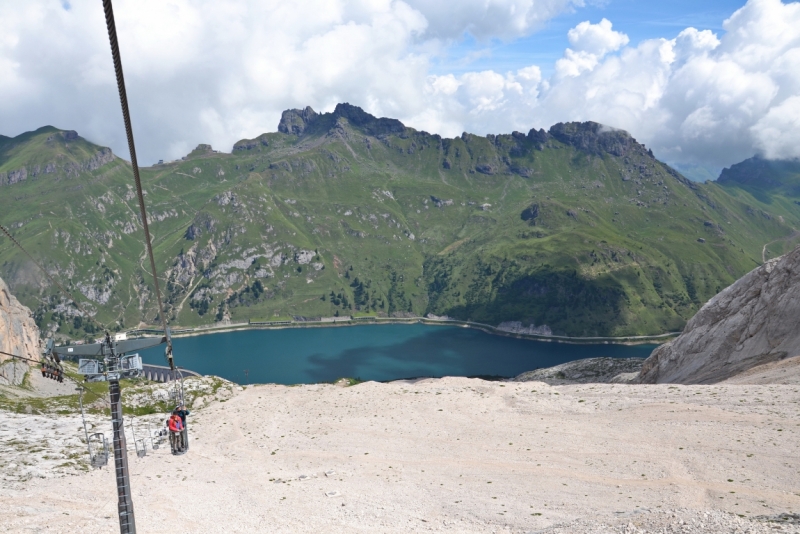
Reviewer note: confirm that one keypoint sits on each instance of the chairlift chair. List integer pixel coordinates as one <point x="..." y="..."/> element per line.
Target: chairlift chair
<point x="51" y="364"/>
<point x="130" y="365"/>
<point x="141" y="447"/>
<point x="98" y="450"/>
<point x="91" y="369"/>
<point x="140" y="444"/>
<point x="156" y="436"/>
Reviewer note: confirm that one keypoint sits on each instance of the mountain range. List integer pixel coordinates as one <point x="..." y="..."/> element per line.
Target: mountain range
<point x="579" y="228"/>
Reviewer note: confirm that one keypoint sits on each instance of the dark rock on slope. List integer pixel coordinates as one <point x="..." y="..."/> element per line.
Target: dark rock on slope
<point x="593" y="137"/>
<point x="586" y="371"/>
<point x="295" y="121"/>
<point x="752" y="322"/>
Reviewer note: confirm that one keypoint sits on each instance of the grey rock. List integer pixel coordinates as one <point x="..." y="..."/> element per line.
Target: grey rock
<point x="516" y="327"/>
<point x="250" y="144"/>
<point x="19" y="334"/>
<point x="753" y="321"/>
<point x="586" y="371"/>
<point x="12" y="177"/>
<point x="369" y="124"/>
<point x="295" y="121"/>
<point x="594" y="138"/>
<point x="485" y="169"/>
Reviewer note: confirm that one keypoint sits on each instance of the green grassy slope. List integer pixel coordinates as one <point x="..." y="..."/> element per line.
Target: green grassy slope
<point x="578" y="228"/>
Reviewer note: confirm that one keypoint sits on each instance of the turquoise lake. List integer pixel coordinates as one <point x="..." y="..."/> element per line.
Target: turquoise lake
<point x="372" y="352"/>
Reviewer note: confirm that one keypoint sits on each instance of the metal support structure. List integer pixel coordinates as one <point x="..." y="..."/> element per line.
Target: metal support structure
<point x="83" y="418"/>
<point x="111" y="351"/>
<point x="127" y="522"/>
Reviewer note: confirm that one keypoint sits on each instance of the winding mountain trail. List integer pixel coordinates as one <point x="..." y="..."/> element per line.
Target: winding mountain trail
<point x="787" y="238"/>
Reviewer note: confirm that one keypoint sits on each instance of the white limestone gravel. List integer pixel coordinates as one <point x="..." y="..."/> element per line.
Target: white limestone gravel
<point x="451" y="455"/>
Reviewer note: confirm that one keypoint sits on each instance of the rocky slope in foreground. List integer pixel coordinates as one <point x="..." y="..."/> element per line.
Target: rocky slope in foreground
<point x="18" y="335"/>
<point x="752" y="322"/>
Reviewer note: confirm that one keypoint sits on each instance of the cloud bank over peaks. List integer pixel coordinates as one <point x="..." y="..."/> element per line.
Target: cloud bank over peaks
<point x="698" y="98"/>
<point x="217" y="71"/>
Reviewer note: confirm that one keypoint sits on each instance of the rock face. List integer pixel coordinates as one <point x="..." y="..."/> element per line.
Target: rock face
<point x="19" y="335"/>
<point x="295" y="121"/>
<point x="593" y="137"/>
<point x="516" y="327"/>
<point x="586" y="371"/>
<point x="752" y="322"/>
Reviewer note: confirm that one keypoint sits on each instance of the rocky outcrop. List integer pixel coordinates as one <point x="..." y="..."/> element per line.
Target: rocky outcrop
<point x="101" y="157"/>
<point x="752" y="322"/>
<point x="594" y="138"/>
<point x="515" y="327"/>
<point x="250" y="144"/>
<point x="13" y="177"/>
<point x="18" y="335"/>
<point x="295" y="121"/>
<point x="370" y="124"/>
<point x="530" y="214"/>
<point x="586" y="371"/>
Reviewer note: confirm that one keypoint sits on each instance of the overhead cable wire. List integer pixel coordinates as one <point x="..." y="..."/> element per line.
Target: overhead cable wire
<point x="52" y="280"/>
<point x="123" y="98"/>
<point x="84" y="388"/>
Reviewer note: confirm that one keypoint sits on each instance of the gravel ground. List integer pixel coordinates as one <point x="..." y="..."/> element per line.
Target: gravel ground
<point x="451" y="455"/>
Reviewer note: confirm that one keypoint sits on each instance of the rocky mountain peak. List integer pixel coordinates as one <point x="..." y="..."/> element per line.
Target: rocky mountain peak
<point x="295" y="121"/>
<point x="49" y="151"/>
<point x="594" y="137"/>
<point x="763" y="173"/>
<point x="370" y="124"/>
<point x="298" y="121"/>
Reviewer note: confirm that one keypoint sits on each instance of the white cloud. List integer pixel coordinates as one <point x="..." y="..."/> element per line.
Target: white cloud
<point x="699" y="98"/>
<point x="777" y="132"/>
<point x="218" y="71"/>
<point x="487" y="19"/>
<point x="598" y="39"/>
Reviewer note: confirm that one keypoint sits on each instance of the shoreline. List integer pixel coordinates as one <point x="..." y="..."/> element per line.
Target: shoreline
<point x="280" y="325"/>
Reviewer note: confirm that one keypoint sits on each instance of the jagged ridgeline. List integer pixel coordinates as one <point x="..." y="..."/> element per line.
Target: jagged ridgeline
<point x="579" y="228"/>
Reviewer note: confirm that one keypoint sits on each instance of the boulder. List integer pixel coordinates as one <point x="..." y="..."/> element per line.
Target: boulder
<point x="601" y="370"/>
<point x="752" y="322"/>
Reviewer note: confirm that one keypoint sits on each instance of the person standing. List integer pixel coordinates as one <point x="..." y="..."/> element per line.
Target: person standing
<point x="182" y="413"/>
<point x="175" y="429"/>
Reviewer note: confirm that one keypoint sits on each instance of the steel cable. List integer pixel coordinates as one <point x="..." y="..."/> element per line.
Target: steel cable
<point x="123" y="99"/>
<point x="87" y="390"/>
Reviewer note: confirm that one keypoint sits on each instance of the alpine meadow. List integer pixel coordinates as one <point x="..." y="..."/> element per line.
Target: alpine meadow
<point x="578" y="230"/>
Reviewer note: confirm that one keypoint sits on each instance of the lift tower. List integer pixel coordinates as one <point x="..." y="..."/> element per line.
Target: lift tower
<point x="110" y="351"/>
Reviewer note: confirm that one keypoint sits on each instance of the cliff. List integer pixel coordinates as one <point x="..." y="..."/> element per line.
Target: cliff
<point x="752" y="322"/>
<point x="19" y="335"/>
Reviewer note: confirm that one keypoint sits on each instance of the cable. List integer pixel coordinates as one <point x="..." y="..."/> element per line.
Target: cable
<point x="123" y="99"/>
<point x="84" y="388"/>
<point x="52" y="280"/>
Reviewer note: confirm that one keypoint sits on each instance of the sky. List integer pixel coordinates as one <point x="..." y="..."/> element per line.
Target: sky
<point x="704" y="84"/>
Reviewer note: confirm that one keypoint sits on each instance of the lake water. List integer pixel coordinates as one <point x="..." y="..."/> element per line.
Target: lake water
<point x="372" y="352"/>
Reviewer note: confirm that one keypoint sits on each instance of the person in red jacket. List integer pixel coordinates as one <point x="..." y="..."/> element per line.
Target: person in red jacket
<point x="175" y="429"/>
